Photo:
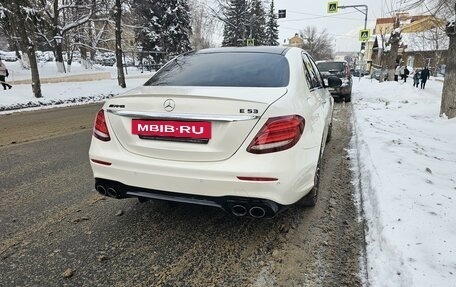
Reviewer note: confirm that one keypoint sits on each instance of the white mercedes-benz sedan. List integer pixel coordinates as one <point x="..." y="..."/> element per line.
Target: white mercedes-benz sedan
<point x="242" y="129"/>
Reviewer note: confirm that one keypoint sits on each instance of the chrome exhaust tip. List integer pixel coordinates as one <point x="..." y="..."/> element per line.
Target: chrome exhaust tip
<point x="239" y="210"/>
<point x="111" y="192"/>
<point x="101" y="189"/>
<point x="257" y="212"/>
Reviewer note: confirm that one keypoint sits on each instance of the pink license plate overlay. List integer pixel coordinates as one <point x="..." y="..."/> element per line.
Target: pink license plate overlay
<point x="178" y="129"/>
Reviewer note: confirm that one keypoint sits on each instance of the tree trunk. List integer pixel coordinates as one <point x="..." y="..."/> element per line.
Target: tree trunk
<point x="59" y="58"/>
<point x="29" y="48"/>
<point x="36" y="83"/>
<point x="119" y="63"/>
<point x="448" y="105"/>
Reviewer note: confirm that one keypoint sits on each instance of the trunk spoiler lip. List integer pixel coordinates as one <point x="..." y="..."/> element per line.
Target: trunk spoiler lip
<point x="184" y="117"/>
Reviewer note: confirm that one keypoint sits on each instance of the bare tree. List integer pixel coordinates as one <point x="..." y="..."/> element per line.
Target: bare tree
<point x="21" y="18"/>
<point x="448" y="105"/>
<point x="318" y="44"/>
<point x="447" y="10"/>
<point x="434" y="39"/>
<point x="203" y="26"/>
<point x="118" y="32"/>
<point x="393" y="43"/>
<point x="56" y="24"/>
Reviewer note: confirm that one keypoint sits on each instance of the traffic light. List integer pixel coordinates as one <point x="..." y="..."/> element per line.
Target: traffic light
<point x="282" y="13"/>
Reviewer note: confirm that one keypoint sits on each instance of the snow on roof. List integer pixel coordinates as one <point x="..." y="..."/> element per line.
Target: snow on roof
<point x="452" y="21"/>
<point x="425" y="41"/>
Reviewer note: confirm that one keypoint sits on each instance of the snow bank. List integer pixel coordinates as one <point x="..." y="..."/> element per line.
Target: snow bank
<point x="407" y="161"/>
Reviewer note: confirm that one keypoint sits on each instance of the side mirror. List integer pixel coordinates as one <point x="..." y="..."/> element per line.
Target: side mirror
<point x="334" y="82"/>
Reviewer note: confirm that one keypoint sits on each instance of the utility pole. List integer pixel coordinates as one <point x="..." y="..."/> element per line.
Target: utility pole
<point x="365" y="12"/>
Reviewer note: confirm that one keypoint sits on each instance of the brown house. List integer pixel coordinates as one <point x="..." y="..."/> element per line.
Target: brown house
<point x="423" y="41"/>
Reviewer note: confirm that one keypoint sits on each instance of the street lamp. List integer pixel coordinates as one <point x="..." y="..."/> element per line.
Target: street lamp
<point x="140" y="49"/>
<point x="58" y="39"/>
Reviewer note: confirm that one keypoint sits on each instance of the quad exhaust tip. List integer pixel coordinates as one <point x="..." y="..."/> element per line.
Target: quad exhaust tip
<point x="101" y="189"/>
<point x="239" y="210"/>
<point x="257" y="212"/>
<point x="112" y="192"/>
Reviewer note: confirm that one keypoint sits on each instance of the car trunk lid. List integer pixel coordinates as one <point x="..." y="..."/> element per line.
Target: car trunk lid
<point x="188" y="123"/>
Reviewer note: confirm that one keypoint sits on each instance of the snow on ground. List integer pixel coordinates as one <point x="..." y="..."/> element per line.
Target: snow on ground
<point x="407" y="164"/>
<point x="21" y="96"/>
<point x="406" y="159"/>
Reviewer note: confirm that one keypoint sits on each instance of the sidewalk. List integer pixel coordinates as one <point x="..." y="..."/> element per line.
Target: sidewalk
<point x="406" y="162"/>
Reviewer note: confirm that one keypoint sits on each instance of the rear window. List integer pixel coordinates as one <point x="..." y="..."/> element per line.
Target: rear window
<point x="331" y="66"/>
<point x="225" y="70"/>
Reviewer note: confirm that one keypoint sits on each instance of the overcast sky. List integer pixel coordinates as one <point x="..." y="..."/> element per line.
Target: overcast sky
<point x="343" y="27"/>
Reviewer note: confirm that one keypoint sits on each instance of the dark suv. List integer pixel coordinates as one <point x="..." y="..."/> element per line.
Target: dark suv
<point x="341" y="70"/>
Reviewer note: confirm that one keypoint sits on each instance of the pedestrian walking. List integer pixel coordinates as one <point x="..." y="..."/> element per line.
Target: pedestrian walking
<point x="402" y="72"/>
<point x="397" y="73"/>
<point x="416" y="79"/>
<point x="424" y="77"/>
<point x="3" y="74"/>
<point x="406" y="74"/>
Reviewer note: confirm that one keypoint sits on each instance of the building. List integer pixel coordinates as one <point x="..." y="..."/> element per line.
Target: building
<point x="423" y="41"/>
<point x="295" y="41"/>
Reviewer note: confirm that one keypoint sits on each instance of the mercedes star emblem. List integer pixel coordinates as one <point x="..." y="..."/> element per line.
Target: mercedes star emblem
<point x="169" y="105"/>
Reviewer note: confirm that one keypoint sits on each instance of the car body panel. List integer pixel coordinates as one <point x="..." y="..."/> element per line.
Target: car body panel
<point x="200" y="102"/>
<point x="214" y="169"/>
<point x="342" y="72"/>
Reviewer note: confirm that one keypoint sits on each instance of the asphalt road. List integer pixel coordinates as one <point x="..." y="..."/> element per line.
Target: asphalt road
<point x="55" y="230"/>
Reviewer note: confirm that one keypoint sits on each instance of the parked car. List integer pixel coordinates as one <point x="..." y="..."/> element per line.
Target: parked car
<point x="340" y="69"/>
<point x="242" y="129"/>
<point x="8" y="56"/>
<point x="379" y="73"/>
<point x="105" y="58"/>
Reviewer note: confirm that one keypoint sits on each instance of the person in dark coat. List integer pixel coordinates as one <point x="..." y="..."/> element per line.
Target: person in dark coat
<point x="406" y="74"/>
<point x="3" y="75"/>
<point x="416" y="79"/>
<point x="424" y="77"/>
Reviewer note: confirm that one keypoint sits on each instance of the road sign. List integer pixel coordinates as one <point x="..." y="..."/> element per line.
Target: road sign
<point x="333" y="7"/>
<point x="364" y="35"/>
<point x="250" y="42"/>
<point x="282" y="13"/>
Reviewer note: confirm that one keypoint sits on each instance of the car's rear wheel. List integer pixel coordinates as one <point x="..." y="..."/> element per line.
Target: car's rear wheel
<point x="348" y="98"/>
<point x="328" y="136"/>
<point x="311" y="198"/>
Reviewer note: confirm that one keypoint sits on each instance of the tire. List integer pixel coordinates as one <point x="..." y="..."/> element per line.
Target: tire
<point x="328" y="137"/>
<point x="312" y="197"/>
<point x="348" y="98"/>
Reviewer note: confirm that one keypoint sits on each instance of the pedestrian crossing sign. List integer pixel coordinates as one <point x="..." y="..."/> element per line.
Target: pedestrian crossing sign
<point x="364" y="35"/>
<point x="250" y="42"/>
<point x="333" y="7"/>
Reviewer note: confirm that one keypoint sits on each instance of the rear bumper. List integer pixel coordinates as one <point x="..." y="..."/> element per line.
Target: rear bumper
<point x="238" y="206"/>
<point x="295" y="178"/>
<point x="341" y="91"/>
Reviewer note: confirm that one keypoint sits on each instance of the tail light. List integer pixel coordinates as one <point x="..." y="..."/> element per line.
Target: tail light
<point x="277" y="134"/>
<point x="100" y="129"/>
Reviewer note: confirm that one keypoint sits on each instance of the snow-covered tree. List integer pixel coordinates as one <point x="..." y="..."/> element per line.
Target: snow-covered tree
<point x="236" y="18"/>
<point x="59" y="18"/>
<point x="258" y="23"/>
<point x="165" y="25"/>
<point x="21" y="18"/>
<point x="118" y="34"/>
<point x="272" y="27"/>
